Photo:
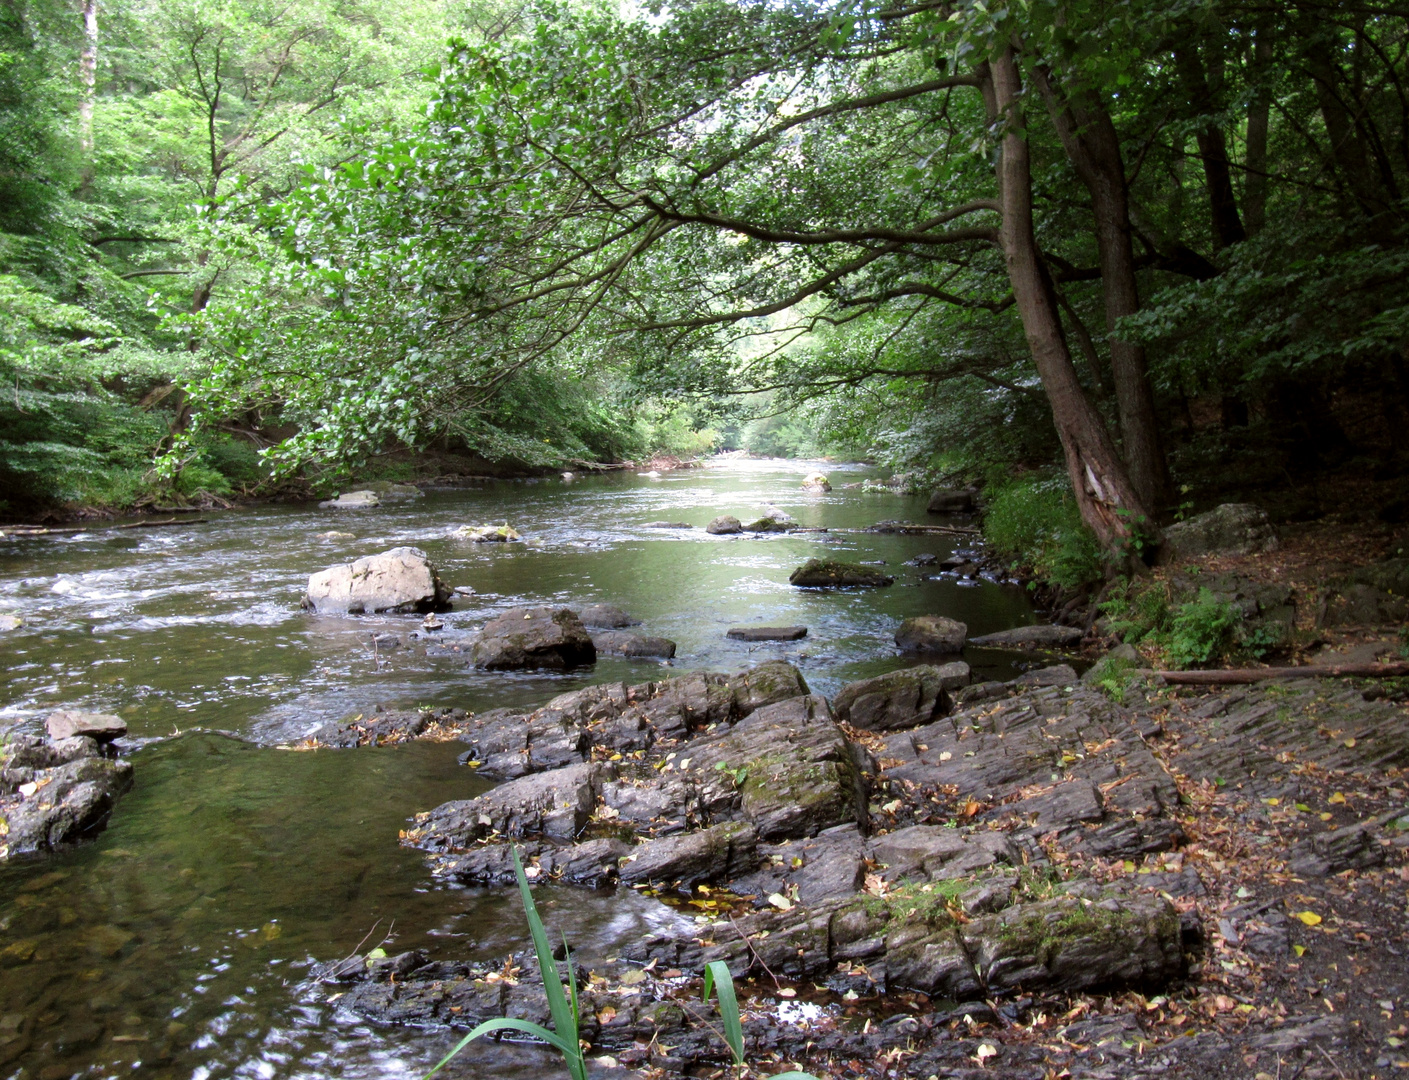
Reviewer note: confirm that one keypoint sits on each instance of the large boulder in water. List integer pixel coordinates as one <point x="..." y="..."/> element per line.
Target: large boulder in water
<point x="401" y="580"/>
<point x="931" y="634"/>
<point x="724" y="525"/>
<point x="1230" y="529"/>
<point x="816" y="482"/>
<point x="605" y="617"/>
<point x="534" y="638"/>
<point x="826" y="573"/>
<point x="352" y="500"/>
<point x="55" y="791"/>
<point x="67" y="723"/>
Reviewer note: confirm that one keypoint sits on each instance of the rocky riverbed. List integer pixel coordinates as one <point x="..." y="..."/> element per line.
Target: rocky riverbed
<point x="1020" y="878"/>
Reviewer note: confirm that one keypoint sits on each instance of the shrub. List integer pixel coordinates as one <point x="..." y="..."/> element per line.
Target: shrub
<point x="1203" y="629"/>
<point x="1036" y="523"/>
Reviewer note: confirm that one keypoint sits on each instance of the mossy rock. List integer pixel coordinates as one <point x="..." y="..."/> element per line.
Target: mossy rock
<point x="827" y="573"/>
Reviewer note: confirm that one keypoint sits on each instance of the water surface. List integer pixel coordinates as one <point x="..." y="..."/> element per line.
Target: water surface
<point x="178" y="941"/>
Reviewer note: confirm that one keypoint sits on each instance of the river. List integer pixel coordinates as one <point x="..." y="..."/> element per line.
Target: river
<point x="178" y="942"/>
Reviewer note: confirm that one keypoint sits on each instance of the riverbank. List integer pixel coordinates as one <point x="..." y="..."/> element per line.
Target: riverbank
<point x="1206" y="884"/>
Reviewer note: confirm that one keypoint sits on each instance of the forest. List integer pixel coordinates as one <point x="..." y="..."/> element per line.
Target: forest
<point x="1105" y="255"/>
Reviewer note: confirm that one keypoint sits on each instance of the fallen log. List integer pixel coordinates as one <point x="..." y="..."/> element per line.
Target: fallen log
<point x="1230" y="676"/>
<point x="27" y="530"/>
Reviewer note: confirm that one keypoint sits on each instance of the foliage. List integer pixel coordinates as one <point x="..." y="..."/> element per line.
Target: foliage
<point x="562" y="1006"/>
<point x="564" y="1009"/>
<point x="1199" y="630"/>
<point x="1202" y="629"/>
<point x="1034" y="521"/>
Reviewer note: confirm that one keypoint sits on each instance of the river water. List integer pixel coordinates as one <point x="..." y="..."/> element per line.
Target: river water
<point x="178" y="942"/>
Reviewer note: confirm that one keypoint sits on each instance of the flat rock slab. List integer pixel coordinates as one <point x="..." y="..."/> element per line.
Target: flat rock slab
<point x="827" y="573"/>
<point x="54" y="792"/>
<point x="534" y="638"/>
<point x="620" y="718"/>
<point x="401" y="580"/>
<point x="768" y="633"/>
<point x="487" y="534"/>
<point x="1031" y="637"/>
<point x="352" y="500"/>
<point x="622" y="643"/>
<point x="1058" y="759"/>
<point x="65" y="724"/>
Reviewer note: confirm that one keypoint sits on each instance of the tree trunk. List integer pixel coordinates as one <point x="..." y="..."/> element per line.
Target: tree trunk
<point x="1348" y="153"/>
<point x="1089" y="138"/>
<point x="88" y="75"/>
<point x="1213" y="150"/>
<point x="1259" y="117"/>
<point x="1108" y="501"/>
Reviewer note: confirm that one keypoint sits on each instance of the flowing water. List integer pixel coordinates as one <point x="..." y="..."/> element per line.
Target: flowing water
<point x="178" y="942"/>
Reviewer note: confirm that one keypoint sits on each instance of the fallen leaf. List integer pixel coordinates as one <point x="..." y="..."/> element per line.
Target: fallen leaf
<point x="986" y="1051"/>
<point x="945" y="755"/>
<point x="1310" y="918"/>
<point x="1338" y="799"/>
<point x="787" y="992"/>
<point x="632" y="977"/>
<point x="781" y="902"/>
<point x="1300" y="950"/>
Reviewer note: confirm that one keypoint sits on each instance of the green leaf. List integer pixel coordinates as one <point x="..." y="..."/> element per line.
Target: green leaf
<point x="564" y="1017"/>
<point x="505" y="1023"/>
<point x="718" y="979"/>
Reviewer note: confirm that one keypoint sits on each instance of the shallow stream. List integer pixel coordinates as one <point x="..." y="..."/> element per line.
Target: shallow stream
<point x="178" y="942"/>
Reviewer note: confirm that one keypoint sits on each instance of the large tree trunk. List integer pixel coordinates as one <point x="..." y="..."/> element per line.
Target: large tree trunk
<point x="1348" y="146"/>
<point x="88" y="74"/>
<point x="1090" y="140"/>
<point x="1213" y="150"/>
<point x="1108" y="501"/>
<point x="1259" y="118"/>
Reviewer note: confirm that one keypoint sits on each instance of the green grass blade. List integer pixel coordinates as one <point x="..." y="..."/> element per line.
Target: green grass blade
<point x="564" y="1022"/>
<point x="501" y="1023"/>
<point x="717" y="977"/>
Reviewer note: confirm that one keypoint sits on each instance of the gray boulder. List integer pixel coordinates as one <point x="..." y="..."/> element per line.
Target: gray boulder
<point x="556" y="804"/>
<point x="534" y="638"/>
<point x="1041" y="636"/>
<point x="622" y="643"/>
<point x="351" y="500"/>
<point x="951" y="501"/>
<point x="10" y="622"/>
<point x="827" y="573"/>
<point x="931" y="634"/>
<point x="401" y="580"/>
<point x="724" y="525"/>
<point x="1230" y="529"/>
<point x="55" y="792"/>
<point x="899" y="699"/>
<point x="605" y="617"/>
<point x="66" y="724"/>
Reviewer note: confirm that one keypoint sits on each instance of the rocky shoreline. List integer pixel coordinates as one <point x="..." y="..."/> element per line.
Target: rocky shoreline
<point x="1009" y="848"/>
